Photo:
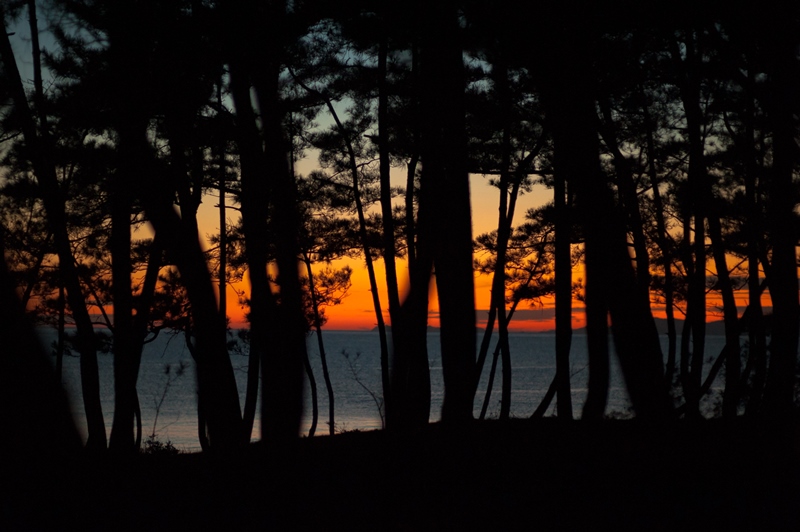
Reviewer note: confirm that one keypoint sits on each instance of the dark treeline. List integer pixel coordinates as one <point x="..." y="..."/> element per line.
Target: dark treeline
<point x="668" y="133"/>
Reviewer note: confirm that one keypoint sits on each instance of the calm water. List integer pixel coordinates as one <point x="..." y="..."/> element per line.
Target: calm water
<point x="532" y="360"/>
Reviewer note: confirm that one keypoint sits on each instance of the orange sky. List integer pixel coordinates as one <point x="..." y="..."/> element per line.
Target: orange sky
<point x="357" y="313"/>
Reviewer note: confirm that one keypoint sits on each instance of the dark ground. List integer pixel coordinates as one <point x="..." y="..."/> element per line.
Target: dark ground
<point x="520" y="475"/>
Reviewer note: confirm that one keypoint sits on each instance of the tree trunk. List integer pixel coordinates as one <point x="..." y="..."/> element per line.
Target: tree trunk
<point x="610" y="278"/>
<point x="322" y="355"/>
<point x="411" y="383"/>
<point x="122" y="438"/>
<point x="37" y="407"/>
<point x="666" y="250"/>
<point x="312" y="382"/>
<point x="576" y="153"/>
<point x="373" y="280"/>
<point x="218" y="395"/>
<point x="757" y="355"/>
<point x="563" y="273"/>
<point x="389" y="247"/>
<point x="687" y="81"/>
<point x="782" y="225"/>
<point x="62" y="314"/>
<point x="410" y="372"/>
<point x="446" y="182"/>
<point x="254" y="201"/>
<point x="223" y="226"/>
<point x="490" y="382"/>
<point x="504" y="223"/>
<point x="39" y="151"/>
<point x="131" y="125"/>
<point x="730" y="398"/>
<point x="282" y="370"/>
<point x="704" y="209"/>
<point x="630" y="201"/>
<point x="141" y="319"/>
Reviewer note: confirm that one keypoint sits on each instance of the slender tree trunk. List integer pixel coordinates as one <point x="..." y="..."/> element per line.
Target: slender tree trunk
<point x="223" y="228"/>
<point x="38" y="86"/>
<point x="363" y="236"/>
<point x="699" y="199"/>
<point x="704" y="208"/>
<point x="122" y="438"/>
<point x="254" y="200"/>
<point x="373" y="281"/>
<point x="630" y="202"/>
<point x="409" y="211"/>
<point x="140" y="322"/>
<point x="755" y="326"/>
<point x="697" y="283"/>
<point x="689" y="392"/>
<point x="497" y="308"/>
<point x="38" y="150"/>
<point x="515" y="181"/>
<point x="563" y="273"/>
<point x="493" y="368"/>
<point x="389" y="247"/>
<point x="666" y="251"/>
<point x="312" y="382"/>
<point x="486" y="341"/>
<point x="717" y="365"/>
<point x="490" y="383"/>
<point x="62" y="314"/>
<point x="322" y="355"/>
<point x="730" y="398"/>
<point x="33" y="275"/>
<point x="597" y="339"/>
<point x="504" y="223"/>
<point x="546" y="400"/>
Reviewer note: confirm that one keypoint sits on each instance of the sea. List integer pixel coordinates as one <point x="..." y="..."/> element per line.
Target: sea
<point x="168" y="398"/>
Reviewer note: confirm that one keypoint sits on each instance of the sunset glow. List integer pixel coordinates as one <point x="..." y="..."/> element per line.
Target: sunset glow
<point x="357" y="312"/>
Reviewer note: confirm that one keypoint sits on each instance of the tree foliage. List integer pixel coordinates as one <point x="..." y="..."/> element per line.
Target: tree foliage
<point x="669" y="142"/>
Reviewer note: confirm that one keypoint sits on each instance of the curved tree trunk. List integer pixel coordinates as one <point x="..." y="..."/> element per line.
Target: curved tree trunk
<point x="39" y="152"/>
<point x="312" y="382"/>
<point x="373" y="281"/>
<point x="322" y="355"/>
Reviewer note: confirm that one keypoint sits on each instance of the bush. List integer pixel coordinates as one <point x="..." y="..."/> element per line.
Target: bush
<point x="155" y="447"/>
